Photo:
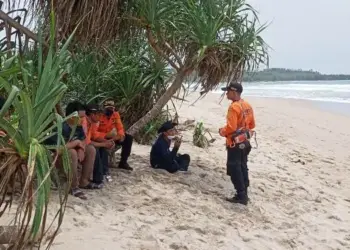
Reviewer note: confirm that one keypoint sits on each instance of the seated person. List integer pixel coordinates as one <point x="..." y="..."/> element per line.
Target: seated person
<point x="78" y="151"/>
<point x="162" y="157"/>
<point x="99" y="141"/>
<point x="110" y="121"/>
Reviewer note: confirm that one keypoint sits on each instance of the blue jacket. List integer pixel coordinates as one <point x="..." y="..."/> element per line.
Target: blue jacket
<point x="161" y="154"/>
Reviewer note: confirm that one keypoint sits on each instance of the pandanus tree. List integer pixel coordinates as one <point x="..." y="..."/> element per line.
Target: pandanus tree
<point x="28" y="164"/>
<point x="216" y="39"/>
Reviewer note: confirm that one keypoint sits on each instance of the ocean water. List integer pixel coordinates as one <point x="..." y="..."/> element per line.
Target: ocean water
<point x="332" y="91"/>
<point x="333" y="96"/>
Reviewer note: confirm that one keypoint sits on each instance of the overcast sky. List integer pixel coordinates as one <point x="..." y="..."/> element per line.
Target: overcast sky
<point x="307" y="34"/>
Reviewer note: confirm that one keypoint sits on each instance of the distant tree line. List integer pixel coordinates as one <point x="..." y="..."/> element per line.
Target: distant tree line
<point x="280" y="74"/>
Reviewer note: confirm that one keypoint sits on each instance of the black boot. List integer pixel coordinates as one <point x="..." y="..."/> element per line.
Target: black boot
<point x="241" y="198"/>
<point x="125" y="165"/>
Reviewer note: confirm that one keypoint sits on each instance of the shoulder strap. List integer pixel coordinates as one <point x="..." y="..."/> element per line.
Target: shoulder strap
<point x="244" y="118"/>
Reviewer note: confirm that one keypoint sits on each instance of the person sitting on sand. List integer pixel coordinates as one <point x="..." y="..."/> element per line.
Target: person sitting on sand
<point x="161" y="157"/>
<point x="110" y="123"/>
<point x="78" y="151"/>
<point x="99" y="141"/>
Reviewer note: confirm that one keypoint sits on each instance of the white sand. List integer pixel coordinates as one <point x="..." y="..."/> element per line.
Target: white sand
<point x="300" y="189"/>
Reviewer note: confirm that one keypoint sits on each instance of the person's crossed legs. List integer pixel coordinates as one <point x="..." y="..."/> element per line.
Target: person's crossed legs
<point x="183" y="162"/>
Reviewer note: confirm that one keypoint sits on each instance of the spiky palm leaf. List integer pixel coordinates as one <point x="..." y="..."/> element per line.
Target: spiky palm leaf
<point x="26" y="159"/>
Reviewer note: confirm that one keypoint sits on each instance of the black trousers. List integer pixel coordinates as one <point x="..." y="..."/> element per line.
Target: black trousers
<point x="237" y="167"/>
<point x="181" y="163"/>
<point x="126" y="148"/>
<point x="101" y="165"/>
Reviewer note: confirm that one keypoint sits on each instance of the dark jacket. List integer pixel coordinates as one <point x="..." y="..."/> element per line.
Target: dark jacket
<point x="161" y="154"/>
<point x="79" y="134"/>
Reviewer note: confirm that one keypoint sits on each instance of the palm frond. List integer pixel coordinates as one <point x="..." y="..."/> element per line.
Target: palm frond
<point x="25" y="159"/>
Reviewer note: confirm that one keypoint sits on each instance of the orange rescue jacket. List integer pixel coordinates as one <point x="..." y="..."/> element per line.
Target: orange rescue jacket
<point x="107" y="124"/>
<point x="235" y="119"/>
<point x="91" y="131"/>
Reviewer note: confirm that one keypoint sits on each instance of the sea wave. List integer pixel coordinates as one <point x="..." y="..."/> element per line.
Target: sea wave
<point x="302" y="87"/>
<point x="338" y="92"/>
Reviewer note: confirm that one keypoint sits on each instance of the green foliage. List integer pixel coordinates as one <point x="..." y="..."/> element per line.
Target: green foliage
<point x="199" y="138"/>
<point x="33" y="90"/>
<point x="130" y="74"/>
<point x="279" y="74"/>
<point x="216" y="38"/>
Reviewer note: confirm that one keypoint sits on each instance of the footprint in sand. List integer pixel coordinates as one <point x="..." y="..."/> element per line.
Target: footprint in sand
<point x="334" y="217"/>
<point x="186" y="228"/>
<point x="178" y="247"/>
<point x="347" y="238"/>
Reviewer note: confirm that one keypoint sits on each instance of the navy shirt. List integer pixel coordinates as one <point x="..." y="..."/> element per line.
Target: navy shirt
<point x="161" y="154"/>
<point x="79" y="134"/>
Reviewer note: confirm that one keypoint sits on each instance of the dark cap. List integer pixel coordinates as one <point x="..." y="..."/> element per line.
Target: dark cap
<point x="167" y="126"/>
<point x="92" y="109"/>
<point x="234" y="87"/>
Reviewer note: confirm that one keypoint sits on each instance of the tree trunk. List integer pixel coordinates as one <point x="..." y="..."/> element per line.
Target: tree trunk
<point x="157" y="108"/>
<point x="11" y="22"/>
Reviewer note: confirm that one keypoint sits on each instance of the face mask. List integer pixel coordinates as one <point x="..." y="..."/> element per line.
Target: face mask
<point x="171" y="137"/>
<point x="109" y="112"/>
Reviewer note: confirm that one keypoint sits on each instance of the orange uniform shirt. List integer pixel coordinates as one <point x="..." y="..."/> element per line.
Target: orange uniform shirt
<point x="91" y="131"/>
<point x="236" y="120"/>
<point x="107" y="124"/>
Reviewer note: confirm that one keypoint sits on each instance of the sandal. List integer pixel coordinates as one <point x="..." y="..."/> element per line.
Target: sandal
<point x="76" y="192"/>
<point x="92" y="185"/>
<point x="108" y="178"/>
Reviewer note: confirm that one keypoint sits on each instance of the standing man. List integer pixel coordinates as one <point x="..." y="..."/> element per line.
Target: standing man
<point x="109" y="122"/>
<point x="238" y="131"/>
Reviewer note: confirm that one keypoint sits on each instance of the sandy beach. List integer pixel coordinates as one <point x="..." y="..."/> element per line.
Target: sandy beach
<point x="299" y="195"/>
